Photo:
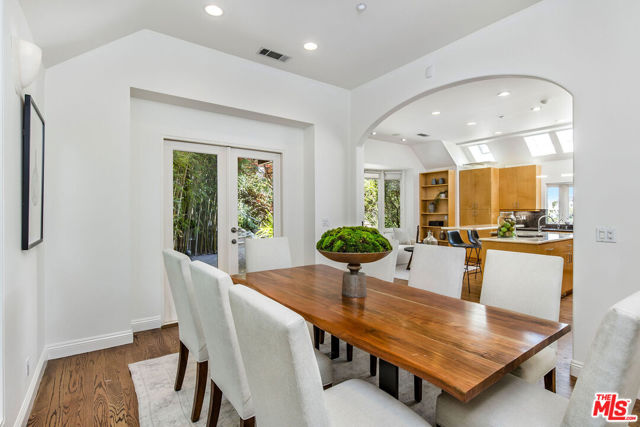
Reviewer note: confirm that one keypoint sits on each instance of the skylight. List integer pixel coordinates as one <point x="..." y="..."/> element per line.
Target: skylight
<point x="540" y="145"/>
<point x="481" y="153"/>
<point x="566" y="140"/>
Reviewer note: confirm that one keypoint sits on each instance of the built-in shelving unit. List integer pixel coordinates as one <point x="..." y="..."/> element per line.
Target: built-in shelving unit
<point x="446" y="209"/>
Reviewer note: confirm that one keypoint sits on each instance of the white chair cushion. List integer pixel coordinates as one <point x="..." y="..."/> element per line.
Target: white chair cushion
<point x="401" y="236"/>
<point x="403" y="256"/>
<point x="356" y="403"/>
<point x="510" y="402"/>
<point x="438" y="269"/>
<point x="534" y="368"/>
<point x="384" y="269"/>
<point x="189" y="325"/>
<point x="267" y="254"/>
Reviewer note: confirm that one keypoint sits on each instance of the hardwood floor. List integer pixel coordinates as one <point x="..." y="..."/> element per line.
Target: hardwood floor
<point x="95" y="389"/>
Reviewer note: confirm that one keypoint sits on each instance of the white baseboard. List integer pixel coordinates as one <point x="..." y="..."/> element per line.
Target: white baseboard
<point x="146" y="323"/>
<point x="85" y="345"/>
<point x="32" y="390"/>
<point x="575" y="367"/>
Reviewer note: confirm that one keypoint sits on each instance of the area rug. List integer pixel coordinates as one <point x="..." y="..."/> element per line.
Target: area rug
<point x="159" y="405"/>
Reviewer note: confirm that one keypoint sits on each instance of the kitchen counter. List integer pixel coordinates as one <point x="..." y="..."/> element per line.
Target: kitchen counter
<point x="476" y="227"/>
<point x="545" y="238"/>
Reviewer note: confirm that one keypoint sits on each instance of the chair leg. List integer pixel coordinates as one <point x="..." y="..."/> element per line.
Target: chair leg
<point x="251" y="422"/>
<point x="335" y="347"/>
<point x="417" y="388"/>
<point x="410" y="259"/>
<point x="550" y="380"/>
<point x="373" y="365"/>
<point x="349" y="352"/>
<point x="316" y="337"/>
<point x="214" y="405"/>
<point x="321" y="336"/>
<point x="183" y="357"/>
<point x="198" y="394"/>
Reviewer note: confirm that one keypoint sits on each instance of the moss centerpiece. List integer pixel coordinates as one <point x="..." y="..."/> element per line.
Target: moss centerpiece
<point x="354" y="245"/>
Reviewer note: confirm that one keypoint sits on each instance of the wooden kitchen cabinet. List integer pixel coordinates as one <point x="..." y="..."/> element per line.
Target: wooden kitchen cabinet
<point x="520" y="188"/>
<point x="479" y="196"/>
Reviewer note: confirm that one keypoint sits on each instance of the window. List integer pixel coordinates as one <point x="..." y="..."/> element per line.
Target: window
<point x="566" y="140"/>
<point x="382" y="199"/>
<point x="540" y="145"/>
<point x="560" y="203"/>
<point x="481" y="153"/>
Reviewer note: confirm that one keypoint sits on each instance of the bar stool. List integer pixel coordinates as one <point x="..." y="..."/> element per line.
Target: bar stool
<point x="455" y="240"/>
<point x="474" y="239"/>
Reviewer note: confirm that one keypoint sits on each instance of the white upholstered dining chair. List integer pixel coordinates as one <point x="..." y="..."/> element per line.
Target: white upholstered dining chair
<point x="267" y="254"/>
<point x="189" y="328"/>
<point x="529" y="284"/>
<point x="384" y="269"/>
<point x="612" y="366"/>
<point x="228" y="375"/>
<point x="438" y="269"/>
<point x="283" y="376"/>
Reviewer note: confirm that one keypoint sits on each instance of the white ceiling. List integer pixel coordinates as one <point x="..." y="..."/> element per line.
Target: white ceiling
<point x="478" y="102"/>
<point x="353" y="47"/>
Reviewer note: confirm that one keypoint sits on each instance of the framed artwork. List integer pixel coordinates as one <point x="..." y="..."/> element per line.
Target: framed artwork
<point x="32" y="174"/>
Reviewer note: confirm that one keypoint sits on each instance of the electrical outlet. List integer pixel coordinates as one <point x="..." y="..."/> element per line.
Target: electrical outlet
<point x="325" y="222"/>
<point x="28" y="366"/>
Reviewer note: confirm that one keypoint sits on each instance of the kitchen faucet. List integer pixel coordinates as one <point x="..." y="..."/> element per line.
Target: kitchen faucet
<point x="539" y="226"/>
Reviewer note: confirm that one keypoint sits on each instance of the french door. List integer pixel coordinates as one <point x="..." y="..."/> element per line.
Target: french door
<point x="215" y="198"/>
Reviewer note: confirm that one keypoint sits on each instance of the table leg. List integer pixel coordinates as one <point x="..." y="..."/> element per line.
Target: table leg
<point x="410" y="259"/>
<point x="316" y="337"/>
<point x="417" y="388"/>
<point x="349" y="352"/>
<point x="335" y="347"/>
<point x="388" y="378"/>
<point x="373" y="365"/>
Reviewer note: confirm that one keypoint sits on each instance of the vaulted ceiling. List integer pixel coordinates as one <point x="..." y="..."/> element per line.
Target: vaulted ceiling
<point x="353" y="47"/>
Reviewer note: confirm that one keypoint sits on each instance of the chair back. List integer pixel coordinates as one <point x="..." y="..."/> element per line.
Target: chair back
<point x="267" y="254"/>
<point x="278" y="355"/>
<point x="438" y="269"/>
<point x="225" y="362"/>
<point x="455" y="239"/>
<point x="384" y="269"/>
<point x="401" y="236"/>
<point x="522" y="282"/>
<point x="612" y="365"/>
<point x="179" y="275"/>
<point x="474" y="238"/>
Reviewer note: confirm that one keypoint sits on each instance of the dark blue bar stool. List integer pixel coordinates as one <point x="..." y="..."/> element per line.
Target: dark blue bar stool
<point x="455" y="240"/>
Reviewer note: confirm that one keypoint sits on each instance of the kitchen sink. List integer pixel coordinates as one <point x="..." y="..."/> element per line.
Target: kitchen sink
<point x="529" y="234"/>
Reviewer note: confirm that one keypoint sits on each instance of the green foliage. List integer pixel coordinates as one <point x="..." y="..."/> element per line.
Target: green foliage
<point x="255" y="196"/>
<point x="353" y="240"/>
<point x="392" y="203"/>
<point x="371" y="202"/>
<point x="195" y="202"/>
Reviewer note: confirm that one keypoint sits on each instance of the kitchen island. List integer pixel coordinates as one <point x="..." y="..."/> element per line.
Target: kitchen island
<point x="554" y="244"/>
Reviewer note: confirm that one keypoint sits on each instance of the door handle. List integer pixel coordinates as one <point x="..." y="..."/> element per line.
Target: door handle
<point x="234" y="241"/>
<point x="234" y="230"/>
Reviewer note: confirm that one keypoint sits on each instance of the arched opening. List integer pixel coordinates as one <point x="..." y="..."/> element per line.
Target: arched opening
<point x="461" y="156"/>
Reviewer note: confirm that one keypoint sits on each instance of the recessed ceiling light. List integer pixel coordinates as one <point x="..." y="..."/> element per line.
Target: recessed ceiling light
<point x="310" y="46"/>
<point x="214" y="10"/>
<point x="374" y="132"/>
<point x="361" y="7"/>
<point x="498" y="133"/>
<point x="504" y="93"/>
<point x="471" y="123"/>
<point x="404" y="139"/>
<point x="536" y="108"/>
<point x="435" y="113"/>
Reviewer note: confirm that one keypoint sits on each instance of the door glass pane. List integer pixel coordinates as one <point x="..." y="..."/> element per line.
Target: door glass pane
<point x="371" y="202"/>
<point x="255" y="203"/>
<point x="391" y="203"/>
<point x="569" y="219"/>
<point x="195" y="205"/>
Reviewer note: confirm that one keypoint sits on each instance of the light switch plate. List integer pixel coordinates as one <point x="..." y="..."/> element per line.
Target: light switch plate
<point x="606" y="235"/>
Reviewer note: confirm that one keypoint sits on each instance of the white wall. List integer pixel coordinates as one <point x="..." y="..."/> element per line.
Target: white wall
<point x="89" y="267"/>
<point x="389" y="156"/>
<point x="587" y="47"/>
<point x="153" y="121"/>
<point x="22" y="271"/>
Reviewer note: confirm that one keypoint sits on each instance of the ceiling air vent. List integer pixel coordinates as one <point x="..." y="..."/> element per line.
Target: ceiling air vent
<point x="424" y="135"/>
<point x="273" y="54"/>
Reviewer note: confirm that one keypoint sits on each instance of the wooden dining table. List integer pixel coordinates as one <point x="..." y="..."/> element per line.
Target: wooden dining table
<point x="459" y="346"/>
